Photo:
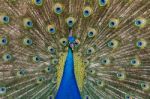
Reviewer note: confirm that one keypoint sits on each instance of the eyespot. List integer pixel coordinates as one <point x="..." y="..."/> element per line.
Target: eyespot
<point x="3" y="40"/>
<point x="92" y="71"/>
<point x="48" y="69"/>
<point x="63" y="41"/>
<point x="100" y="83"/>
<point x="87" y="97"/>
<point x="2" y="90"/>
<point x="54" y="61"/>
<point x="145" y="86"/>
<point x="21" y="72"/>
<point x="58" y="8"/>
<point x="113" y="43"/>
<point x="36" y="59"/>
<point x="38" y="2"/>
<point x="61" y="54"/>
<point x="121" y="75"/>
<point x="79" y="54"/>
<point x="103" y="2"/>
<point x="86" y="62"/>
<point x="27" y="41"/>
<point x="135" y="62"/>
<point x="87" y="11"/>
<point x="51" y="49"/>
<point x="27" y="23"/>
<point x="40" y="79"/>
<point x="113" y="23"/>
<point x="140" y="22"/>
<point x="90" y="51"/>
<point x="70" y="21"/>
<point x="141" y="43"/>
<point x="51" y="29"/>
<point x="128" y="97"/>
<point x="4" y="19"/>
<point x="105" y="61"/>
<point x="7" y="57"/>
<point x="91" y="32"/>
<point x="51" y="97"/>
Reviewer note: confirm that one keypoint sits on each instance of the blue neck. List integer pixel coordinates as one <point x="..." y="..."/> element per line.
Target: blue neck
<point x="68" y="87"/>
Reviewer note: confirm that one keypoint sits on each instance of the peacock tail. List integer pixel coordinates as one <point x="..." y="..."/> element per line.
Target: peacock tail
<point x="108" y="40"/>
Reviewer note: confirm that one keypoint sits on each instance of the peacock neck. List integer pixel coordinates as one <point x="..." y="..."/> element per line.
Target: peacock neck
<point x="68" y="88"/>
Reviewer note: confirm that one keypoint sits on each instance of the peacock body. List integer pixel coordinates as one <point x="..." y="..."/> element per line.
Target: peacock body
<point x="74" y="49"/>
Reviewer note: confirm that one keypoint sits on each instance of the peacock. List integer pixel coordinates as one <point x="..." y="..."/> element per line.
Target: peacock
<point x="74" y="49"/>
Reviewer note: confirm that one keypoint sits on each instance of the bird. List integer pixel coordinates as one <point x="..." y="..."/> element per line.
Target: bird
<point x="74" y="49"/>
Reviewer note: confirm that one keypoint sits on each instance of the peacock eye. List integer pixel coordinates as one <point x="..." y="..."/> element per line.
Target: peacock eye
<point x="100" y="83"/>
<point x="113" y="44"/>
<point x="4" y="19"/>
<point x="140" y="22"/>
<point x="79" y="54"/>
<point x="51" y="50"/>
<point x="21" y="72"/>
<point x="27" y="41"/>
<point x="92" y="71"/>
<point x="7" y="57"/>
<point x="113" y="23"/>
<point x="63" y="41"/>
<point x="87" y="97"/>
<point x="145" y="86"/>
<point x="105" y="61"/>
<point x="128" y="97"/>
<point x="141" y="43"/>
<point x="91" y="32"/>
<point x="27" y="23"/>
<point x="121" y="75"/>
<point x="135" y="62"/>
<point x="103" y="2"/>
<point x="58" y="8"/>
<point x="90" y="50"/>
<point x="70" y="21"/>
<point x="36" y="59"/>
<point x="86" y="62"/>
<point x="3" y="41"/>
<point x="40" y="79"/>
<point x="38" y="2"/>
<point x="51" y="29"/>
<point x="48" y="69"/>
<point x="54" y="61"/>
<point x="51" y="97"/>
<point x="87" y="11"/>
<point x="2" y="90"/>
